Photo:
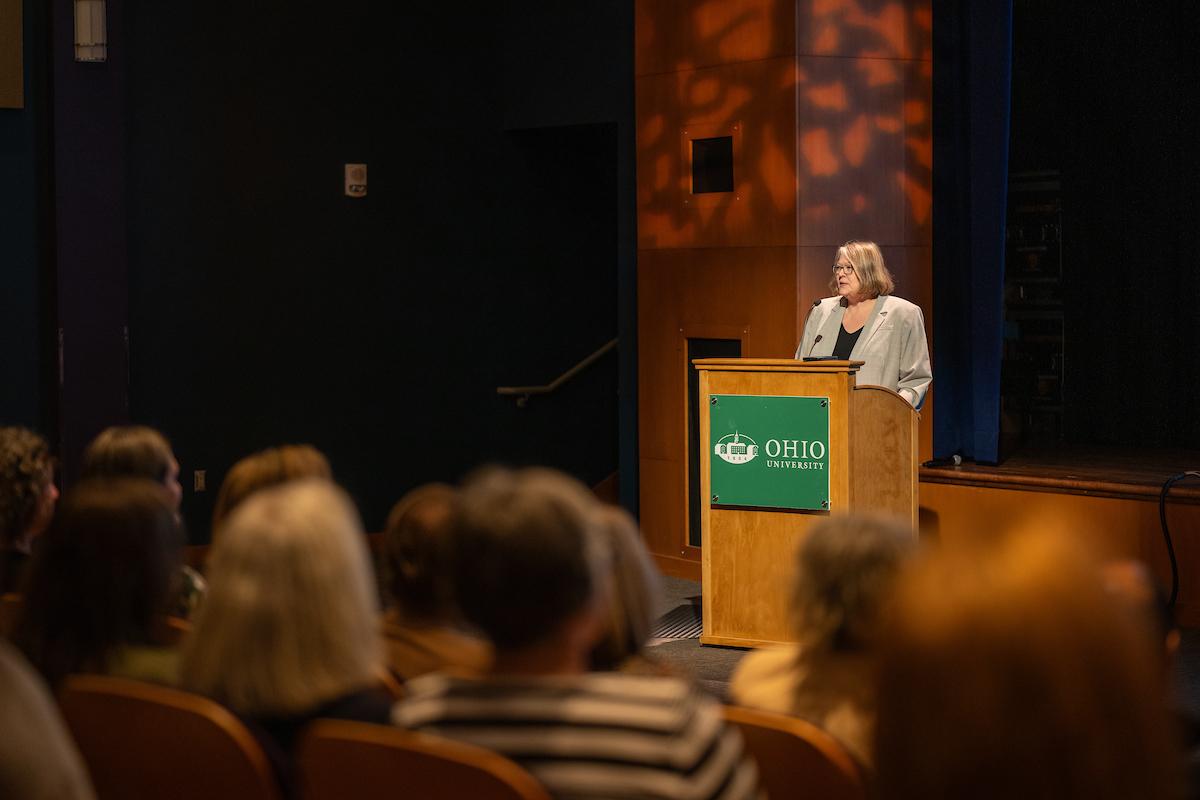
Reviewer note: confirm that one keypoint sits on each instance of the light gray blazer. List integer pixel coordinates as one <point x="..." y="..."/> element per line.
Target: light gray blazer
<point x="892" y="344"/>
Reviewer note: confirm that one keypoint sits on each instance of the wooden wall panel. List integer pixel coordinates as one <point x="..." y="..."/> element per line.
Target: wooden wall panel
<point x="663" y="515"/>
<point x="865" y="151"/>
<point x="12" y="58"/>
<point x="697" y="293"/>
<point x="1109" y="527"/>
<point x="866" y="28"/>
<point x="672" y="108"/>
<point x="678" y="35"/>
<point x="692" y="292"/>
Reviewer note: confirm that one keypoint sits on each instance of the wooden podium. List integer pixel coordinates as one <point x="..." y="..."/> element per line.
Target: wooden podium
<point x="748" y="552"/>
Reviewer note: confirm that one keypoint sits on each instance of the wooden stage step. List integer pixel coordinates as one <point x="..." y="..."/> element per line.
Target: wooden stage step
<point x="1098" y="472"/>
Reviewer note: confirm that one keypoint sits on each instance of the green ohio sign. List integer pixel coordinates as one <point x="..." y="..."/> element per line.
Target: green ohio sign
<point x="767" y="451"/>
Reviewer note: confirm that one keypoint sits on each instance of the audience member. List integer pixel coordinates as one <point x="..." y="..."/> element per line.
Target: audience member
<point x="101" y="582"/>
<point x="288" y="631"/>
<point x="1007" y="671"/>
<point x="261" y="470"/>
<point x="423" y="631"/>
<point x="27" y="498"/>
<point x="38" y="759"/>
<point x="845" y="569"/>
<point x="1130" y="582"/>
<point x="633" y="598"/>
<point x="535" y="584"/>
<point x="136" y="451"/>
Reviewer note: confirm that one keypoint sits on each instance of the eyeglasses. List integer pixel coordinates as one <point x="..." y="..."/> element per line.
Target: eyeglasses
<point x="838" y="269"/>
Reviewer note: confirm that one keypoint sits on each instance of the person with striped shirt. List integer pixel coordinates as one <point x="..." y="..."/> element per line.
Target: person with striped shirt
<point x="531" y="572"/>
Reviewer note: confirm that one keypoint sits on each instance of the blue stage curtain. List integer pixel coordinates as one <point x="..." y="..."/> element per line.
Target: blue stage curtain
<point x="972" y="68"/>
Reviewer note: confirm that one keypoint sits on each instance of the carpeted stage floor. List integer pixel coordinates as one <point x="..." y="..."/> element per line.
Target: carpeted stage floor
<point x="712" y="666"/>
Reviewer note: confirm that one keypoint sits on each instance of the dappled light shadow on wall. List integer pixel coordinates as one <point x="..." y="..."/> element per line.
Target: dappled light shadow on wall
<point x="829" y="121"/>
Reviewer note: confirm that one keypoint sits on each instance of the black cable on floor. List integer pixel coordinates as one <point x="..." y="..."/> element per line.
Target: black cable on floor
<point x="1162" y="518"/>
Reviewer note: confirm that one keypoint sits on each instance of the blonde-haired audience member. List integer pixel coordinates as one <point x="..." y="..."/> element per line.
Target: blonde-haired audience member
<point x="38" y="759"/>
<point x="102" y="582"/>
<point x="266" y="468"/>
<point x="634" y="596"/>
<point x="1007" y="671"/>
<point x="535" y="582"/>
<point x="288" y="631"/>
<point x="27" y="498"/>
<point x="845" y="569"/>
<point x="423" y="631"/>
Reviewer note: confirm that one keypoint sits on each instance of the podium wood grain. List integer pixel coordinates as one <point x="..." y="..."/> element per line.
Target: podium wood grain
<point x="749" y="554"/>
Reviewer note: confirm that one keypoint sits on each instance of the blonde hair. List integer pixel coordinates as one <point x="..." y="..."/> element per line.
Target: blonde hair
<point x="266" y="468"/>
<point x="872" y="272"/>
<point x="1008" y="672"/>
<point x="845" y="569"/>
<point x="290" y="617"/>
<point x="635" y="590"/>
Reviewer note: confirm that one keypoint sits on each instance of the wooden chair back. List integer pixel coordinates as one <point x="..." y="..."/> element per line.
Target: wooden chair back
<point x="796" y="758"/>
<point x="142" y="740"/>
<point x="172" y="630"/>
<point x="391" y="684"/>
<point x="339" y="759"/>
<point x="10" y="609"/>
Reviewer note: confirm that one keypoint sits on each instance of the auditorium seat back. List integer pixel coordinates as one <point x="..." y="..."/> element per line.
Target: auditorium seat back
<point x="10" y="609"/>
<point x="796" y="758"/>
<point x="339" y="759"/>
<point x="391" y="684"/>
<point x="143" y="740"/>
<point x="172" y="631"/>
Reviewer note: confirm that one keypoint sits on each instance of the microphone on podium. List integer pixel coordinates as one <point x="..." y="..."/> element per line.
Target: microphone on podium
<point x="811" y="309"/>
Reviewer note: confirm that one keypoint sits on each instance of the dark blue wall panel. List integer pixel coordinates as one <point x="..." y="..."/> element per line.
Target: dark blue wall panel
<point x="265" y="307"/>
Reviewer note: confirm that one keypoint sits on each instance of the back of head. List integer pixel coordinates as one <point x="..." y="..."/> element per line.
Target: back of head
<point x="270" y="467"/>
<point x="846" y="566"/>
<point x="1008" y="672"/>
<point x="1135" y="589"/>
<point x="635" y="590"/>
<point x="102" y="577"/>
<point x="529" y="555"/>
<point x="128" y="451"/>
<point x="25" y="470"/>
<point x="290" y="616"/>
<point x="417" y="554"/>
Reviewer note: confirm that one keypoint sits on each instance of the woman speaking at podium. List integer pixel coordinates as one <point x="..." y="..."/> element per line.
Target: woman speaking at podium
<point x="864" y="322"/>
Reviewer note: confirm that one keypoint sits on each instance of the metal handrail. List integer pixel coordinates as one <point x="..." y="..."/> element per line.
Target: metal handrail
<point x="523" y="393"/>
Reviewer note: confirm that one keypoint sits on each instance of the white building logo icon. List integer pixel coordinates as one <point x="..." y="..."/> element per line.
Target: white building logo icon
<point x="736" y="448"/>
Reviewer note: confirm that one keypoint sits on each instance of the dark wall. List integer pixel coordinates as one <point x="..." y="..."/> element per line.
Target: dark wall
<point x="265" y="307"/>
<point x="1106" y="93"/>
<point x="89" y="235"/>
<point x="26" y="325"/>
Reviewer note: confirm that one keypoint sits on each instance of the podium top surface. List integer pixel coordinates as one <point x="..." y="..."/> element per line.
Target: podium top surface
<point x="774" y="365"/>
